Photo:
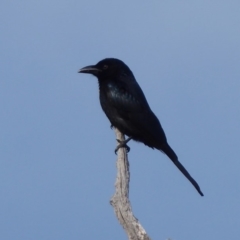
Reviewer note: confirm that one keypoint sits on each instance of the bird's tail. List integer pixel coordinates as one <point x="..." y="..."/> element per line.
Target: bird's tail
<point x="171" y="154"/>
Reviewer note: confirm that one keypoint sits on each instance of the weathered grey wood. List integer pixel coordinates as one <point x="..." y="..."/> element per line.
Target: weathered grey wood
<point x="120" y="200"/>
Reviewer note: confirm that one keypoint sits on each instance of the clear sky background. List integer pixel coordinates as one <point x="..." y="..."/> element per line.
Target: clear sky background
<point x="57" y="161"/>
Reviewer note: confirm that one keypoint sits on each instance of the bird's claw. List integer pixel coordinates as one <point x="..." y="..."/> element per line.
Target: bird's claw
<point x="122" y="144"/>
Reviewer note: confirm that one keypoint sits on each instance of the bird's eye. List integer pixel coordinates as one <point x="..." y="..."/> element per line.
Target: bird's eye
<point x="105" y="67"/>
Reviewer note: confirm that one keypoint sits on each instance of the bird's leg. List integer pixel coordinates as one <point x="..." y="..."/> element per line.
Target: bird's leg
<point x="123" y="144"/>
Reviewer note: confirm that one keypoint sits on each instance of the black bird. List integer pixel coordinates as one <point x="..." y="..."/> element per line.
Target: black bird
<point x="127" y="109"/>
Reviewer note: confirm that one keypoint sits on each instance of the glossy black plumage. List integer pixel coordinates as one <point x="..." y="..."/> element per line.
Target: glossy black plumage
<point x="127" y="109"/>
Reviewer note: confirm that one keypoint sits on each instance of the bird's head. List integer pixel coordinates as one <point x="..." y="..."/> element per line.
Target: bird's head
<point x="108" y="67"/>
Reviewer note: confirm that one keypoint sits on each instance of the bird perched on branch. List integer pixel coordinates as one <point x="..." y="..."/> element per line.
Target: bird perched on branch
<point x="127" y="109"/>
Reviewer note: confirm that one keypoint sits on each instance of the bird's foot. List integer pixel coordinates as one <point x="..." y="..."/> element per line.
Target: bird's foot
<point x="123" y="144"/>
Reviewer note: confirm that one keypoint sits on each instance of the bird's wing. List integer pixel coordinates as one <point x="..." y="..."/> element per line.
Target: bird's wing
<point x="127" y="95"/>
<point x="133" y="111"/>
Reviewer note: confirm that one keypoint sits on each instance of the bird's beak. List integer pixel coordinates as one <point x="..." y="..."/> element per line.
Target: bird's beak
<point x="90" y="69"/>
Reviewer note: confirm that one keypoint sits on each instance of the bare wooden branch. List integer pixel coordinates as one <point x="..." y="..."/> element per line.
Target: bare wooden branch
<point x="120" y="200"/>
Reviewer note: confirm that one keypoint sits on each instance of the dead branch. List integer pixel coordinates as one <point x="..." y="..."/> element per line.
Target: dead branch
<point x="120" y="200"/>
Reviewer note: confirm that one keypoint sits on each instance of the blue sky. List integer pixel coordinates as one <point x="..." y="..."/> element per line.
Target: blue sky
<point x="57" y="161"/>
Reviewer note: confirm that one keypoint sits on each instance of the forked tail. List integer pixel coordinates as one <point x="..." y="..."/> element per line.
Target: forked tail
<point x="171" y="154"/>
